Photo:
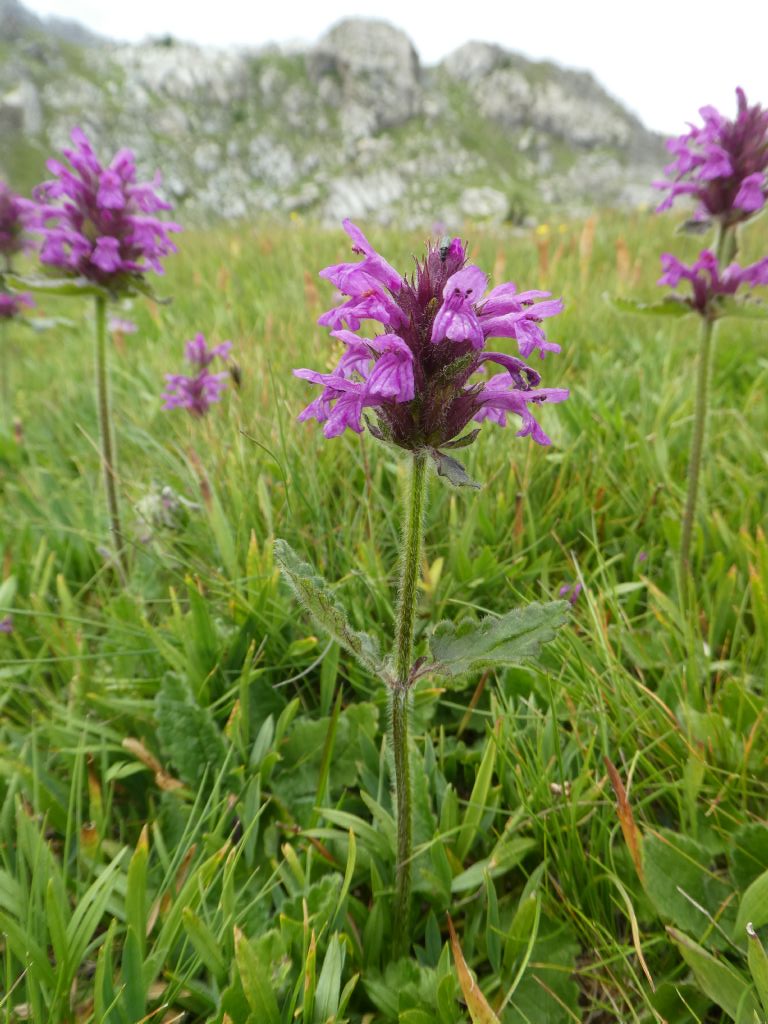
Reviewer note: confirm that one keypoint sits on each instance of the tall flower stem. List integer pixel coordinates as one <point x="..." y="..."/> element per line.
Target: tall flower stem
<point x="108" y="460"/>
<point x="697" y="447"/>
<point x="725" y="247"/>
<point x="412" y="538"/>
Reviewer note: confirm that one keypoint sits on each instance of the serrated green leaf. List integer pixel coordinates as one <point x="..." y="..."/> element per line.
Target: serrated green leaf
<point x="668" y="307"/>
<point x="56" y="286"/>
<point x="543" y="990"/>
<point x="508" y="639"/>
<point x="39" y="324"/>
<point x="717" y="979"/>
<point x="462" y="442"/>
<point x="187" y="731"/>
<point x="451" y="469"/>
<point x="677" y="872"/>
<point x="317" y="597"/>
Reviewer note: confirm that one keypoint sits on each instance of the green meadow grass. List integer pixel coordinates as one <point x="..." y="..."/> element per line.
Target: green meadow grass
<point x="196" y="820"/>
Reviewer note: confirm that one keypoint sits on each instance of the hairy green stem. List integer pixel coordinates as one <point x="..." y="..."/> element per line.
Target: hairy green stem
<point x="725" y="248"/>
<point x="413" y="529"/>
<point x="108" y="459"/>
<point x="697" y="446"/>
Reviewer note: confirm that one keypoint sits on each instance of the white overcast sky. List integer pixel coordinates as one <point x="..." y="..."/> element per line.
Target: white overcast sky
<point x="662" y="58"/>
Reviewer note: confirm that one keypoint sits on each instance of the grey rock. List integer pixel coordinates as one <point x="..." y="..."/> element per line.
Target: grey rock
<point x="373" y="195"/>
<point x="21" y="110"/>
<point x="474" y="61"/>
<point x="513" y="92"/>
<point x="376" y="70"/>
<point x="271" y="162"/>
<point x="207" y="157"/>
<point x="484" y="204"/>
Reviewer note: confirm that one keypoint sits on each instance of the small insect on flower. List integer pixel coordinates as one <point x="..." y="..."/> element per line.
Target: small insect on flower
<point x="423" y="378"/>
<point x="197" y="392"/>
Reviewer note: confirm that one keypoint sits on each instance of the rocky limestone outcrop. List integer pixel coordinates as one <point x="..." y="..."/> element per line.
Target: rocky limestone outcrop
<point x="514" y="92"/>
<point x="353" y="126"/>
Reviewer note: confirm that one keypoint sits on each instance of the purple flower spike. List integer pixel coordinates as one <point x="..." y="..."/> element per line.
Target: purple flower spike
<point x="15" y="217"/>
<point x="722" y="164"/>
<point x="418" y="377"/>
<point x="708" y="282"/>
<point x="571" y="591"/>
<point x="197" y="393"/>
<point x="11" y="304"/>
<point x="197" y="351"/>
<point x="97" y="222"/>
<point x="6" y="624"/>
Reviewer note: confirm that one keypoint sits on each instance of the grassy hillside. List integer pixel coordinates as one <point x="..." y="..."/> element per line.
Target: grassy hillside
<point x="195" y="810"/>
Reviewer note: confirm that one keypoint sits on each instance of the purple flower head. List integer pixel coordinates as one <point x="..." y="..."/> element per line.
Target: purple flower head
<point x="722" y="164"/>
<point x="196" y="393"/>
<point x="423" y="379"/>
<point x="6" y="624"/>
<point x="120" y="325"/>
<point x="15" y="216"/>
<point x="708" y="283"/>
<point x="571" y="591"/>
<point x="198" y="353"/>
<point x="12" y="302"/>
<point x="97" y="222"/>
